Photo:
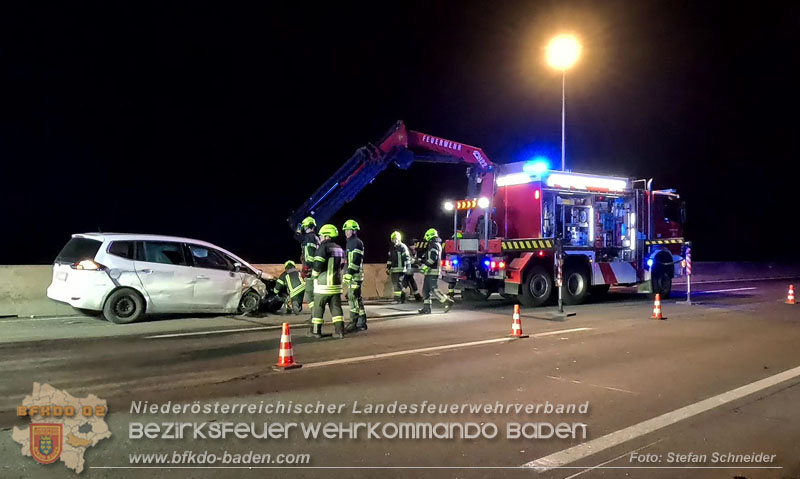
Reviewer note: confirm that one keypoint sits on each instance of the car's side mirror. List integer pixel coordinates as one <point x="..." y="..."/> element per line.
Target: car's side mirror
<point x="237" y="267"/>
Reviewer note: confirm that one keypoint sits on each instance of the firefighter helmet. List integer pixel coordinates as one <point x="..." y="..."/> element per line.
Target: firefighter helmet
<point x="430" y="234"/>
<point x="351" y="225"/>
<point x="289" y="264"/>
<point x="329" y="230"/>
<point x="308" y="222"/>
<point x="396" y="236"/>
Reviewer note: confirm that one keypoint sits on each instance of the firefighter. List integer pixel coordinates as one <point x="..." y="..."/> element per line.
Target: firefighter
<point x="398" y="264"/>
<point x="309" y="242"/>
<point x="355" y="277"/>
<point x="291" y="284"/>
<point x="327" y="274"/>
<point x="451" y="285"/>
<point x="430" y="269"/>
<point x="408" y="277"/>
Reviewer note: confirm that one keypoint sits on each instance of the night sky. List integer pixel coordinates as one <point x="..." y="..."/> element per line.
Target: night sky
<point x="215" y="121"/>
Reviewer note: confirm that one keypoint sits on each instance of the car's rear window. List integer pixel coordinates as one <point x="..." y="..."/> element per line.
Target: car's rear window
<point x="78" y="249"/>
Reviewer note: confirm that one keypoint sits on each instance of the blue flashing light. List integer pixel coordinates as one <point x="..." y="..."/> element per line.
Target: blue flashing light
<point x="537" y="165"/>
<point x="454" y="262"/>
<point x="650" y="263"/>
<point x="487" y="263"/>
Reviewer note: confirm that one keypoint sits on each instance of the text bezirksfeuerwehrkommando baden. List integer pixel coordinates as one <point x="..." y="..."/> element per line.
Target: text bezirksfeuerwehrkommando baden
<point x="355" y="407"/>
<point x="404" y="429"/>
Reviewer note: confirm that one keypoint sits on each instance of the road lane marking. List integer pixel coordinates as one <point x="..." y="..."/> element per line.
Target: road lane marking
<point x="371" y="357"/>
<point x="724" y="290"/>
<point x="737" y="280"/>
<point x="572" y="454"/>
<point x="220" y="331"/>
<point x="551" y="333"/>
<point x="600" y="466"/>
<point x="590" y="384"/>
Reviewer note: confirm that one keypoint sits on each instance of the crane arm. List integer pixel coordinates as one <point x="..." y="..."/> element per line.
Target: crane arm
<point x="401" y="147"/>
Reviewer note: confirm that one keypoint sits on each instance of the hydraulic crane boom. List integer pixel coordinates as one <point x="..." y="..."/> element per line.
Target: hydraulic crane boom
<point x="401" y="147"/>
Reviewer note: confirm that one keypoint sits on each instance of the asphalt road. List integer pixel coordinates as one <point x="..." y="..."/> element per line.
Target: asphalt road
<point x="656" y="388"/>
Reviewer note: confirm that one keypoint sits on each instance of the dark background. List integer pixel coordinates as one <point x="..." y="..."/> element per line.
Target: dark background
<point x="215" y="121"/>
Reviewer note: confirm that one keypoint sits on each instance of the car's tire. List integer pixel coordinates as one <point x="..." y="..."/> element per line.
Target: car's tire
<point x="537" y="288"/>
<point x="661" y="282"/>
<point x="249" y="302"/>
<point x="475" y="295"/>
<point x="599" y="290"/>
<point x="124" y="306"/>
<point x="576" y="284"/>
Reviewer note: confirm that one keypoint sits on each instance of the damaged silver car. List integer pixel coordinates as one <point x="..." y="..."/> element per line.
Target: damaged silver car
<point x="125" y="276"/>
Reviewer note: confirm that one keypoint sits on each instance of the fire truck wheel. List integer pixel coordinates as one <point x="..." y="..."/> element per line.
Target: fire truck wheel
<point x="537" y="287"/>
<point x="662" y="283"/>
<point x="576" y="284"/>
<point x="475" y="295"/>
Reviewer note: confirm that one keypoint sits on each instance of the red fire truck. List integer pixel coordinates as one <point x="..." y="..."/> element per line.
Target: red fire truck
<point x="610" y="230"/>
<point x="518" y="217"/>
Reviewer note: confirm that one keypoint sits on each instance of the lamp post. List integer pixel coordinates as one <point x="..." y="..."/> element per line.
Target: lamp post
<point x="562" y="52"/>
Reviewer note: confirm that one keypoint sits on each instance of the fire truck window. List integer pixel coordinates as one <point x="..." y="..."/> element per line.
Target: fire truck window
<point x="672" y="210"/>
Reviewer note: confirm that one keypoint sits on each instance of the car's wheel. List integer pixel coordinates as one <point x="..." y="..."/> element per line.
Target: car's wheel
<point x="537" y="287"/>
<point x="249" y="303"/>
<point x="475" y="295"/>
<point x="124" y="306"/>
<point x="662" y="283"/>
<point x="576" y="284"/>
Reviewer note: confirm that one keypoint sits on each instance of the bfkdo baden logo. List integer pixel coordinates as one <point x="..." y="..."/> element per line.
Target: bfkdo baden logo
<point x="62" y="426"/>
<point x="46" y="440"/>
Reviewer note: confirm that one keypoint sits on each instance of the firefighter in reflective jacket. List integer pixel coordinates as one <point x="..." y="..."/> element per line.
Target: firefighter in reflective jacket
<point x="398" y="265"/>
<point x="309" y="242"/>
<point x="355" y="277"/>
<point x="327" y="274"/>
<point x="430" y="269"/>
<point x="291" y="285"/>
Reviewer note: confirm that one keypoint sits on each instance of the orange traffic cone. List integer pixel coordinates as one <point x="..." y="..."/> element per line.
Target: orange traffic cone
<point x="286" y="353"/>
<point x="790" y="296"/>
<point x="657" y="308"/>
<point x="516" y="325"/>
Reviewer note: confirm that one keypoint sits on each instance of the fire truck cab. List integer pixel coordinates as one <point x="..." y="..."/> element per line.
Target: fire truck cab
<point x="610" y="231"/>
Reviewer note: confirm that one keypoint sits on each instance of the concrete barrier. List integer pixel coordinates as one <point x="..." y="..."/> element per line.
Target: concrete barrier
<point x="23" y="288"/>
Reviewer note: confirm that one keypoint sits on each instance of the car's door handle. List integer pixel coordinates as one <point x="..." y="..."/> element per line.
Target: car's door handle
<point x="202" y="276"/>
<point x="146" y="271"/>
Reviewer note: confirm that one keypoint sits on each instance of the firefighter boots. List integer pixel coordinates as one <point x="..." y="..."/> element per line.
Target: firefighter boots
<point x="426" y="309"/>
<point x="418" y="297"/>
<point x="338" y="330"/>
<point x="315" y="331"/>
<point x="448" y="305"/>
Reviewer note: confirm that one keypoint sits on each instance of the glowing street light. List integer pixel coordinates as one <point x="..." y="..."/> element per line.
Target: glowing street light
<point x="562" y="52"/>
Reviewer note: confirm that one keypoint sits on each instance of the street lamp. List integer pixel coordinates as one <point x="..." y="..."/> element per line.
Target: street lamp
<point x="562" y="52"/>
<point x="450" y="206"/>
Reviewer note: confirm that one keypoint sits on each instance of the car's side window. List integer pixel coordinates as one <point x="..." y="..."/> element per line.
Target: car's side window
<point x="164" y="252"/>
<point x="209" y="258"/>
<point x="123" y="249"/>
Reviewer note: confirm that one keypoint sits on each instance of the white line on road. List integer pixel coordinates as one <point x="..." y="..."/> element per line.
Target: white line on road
<point x="371" y="357"/>
<point x="737" y="280"/>
<point x="724" y="290"/>
<point x="551" y="333"/>
<point x="611" y="460"/>
<point x="219" y="331"/>
<point x="572" y="454"/>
